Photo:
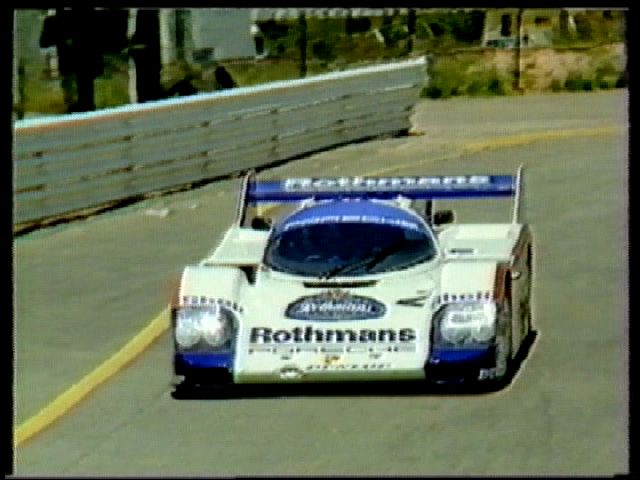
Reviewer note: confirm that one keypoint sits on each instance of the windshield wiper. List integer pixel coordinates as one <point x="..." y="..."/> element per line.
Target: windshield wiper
<point x="368" y="262"/>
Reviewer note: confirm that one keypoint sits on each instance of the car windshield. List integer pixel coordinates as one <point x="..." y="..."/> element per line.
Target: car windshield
<point x="347" y="249"/>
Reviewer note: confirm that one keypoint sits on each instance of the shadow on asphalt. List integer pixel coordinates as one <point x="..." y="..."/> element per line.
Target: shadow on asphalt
<point x="354" y="389"/>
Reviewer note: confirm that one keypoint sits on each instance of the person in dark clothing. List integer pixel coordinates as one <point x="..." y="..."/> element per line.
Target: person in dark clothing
<point x="145" y="51"/>
<point x="223" y="78"/>
<point x="183" y="87"/>
<point x="80" y="60"/>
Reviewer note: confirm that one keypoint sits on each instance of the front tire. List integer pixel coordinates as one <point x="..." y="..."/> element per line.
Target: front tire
<point x="197" y="386"/>
<point x="504" y="348"/>
<point x="504" y="352"/>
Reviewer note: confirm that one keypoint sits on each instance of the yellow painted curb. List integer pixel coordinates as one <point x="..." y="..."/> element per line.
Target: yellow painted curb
<point x="510" y="141"/>
<point x="523" y="139"/>
<point x="78" y="391"/>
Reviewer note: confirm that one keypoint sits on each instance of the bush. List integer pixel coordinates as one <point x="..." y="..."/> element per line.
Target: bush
<point x="486" y="82"/>
<point x="463" y="26"/>
<point x="467" y="26"/>
<point x="606" y="76"/>
<point x="497" y="87"/>
<point x="422" y="29"/>
<point x="445" y="76"/>
<point x="556" y="85"/>
<point x="392" y="33"/>
<point x="464" y="75"/>
<point x="433" y="91"/>
<point x="475" y="87"/>
<point x="357" y="25"/>
<point x="323" y="50"/>
<point x="622" y="81"/>
<point x="584" y="29"/>
<point x="356" y="49"/>
<point x="273" y="30"/>
<point x="573" y="83"/>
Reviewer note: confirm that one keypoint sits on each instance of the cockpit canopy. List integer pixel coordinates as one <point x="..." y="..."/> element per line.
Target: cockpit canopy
<point x="351" y="238"/>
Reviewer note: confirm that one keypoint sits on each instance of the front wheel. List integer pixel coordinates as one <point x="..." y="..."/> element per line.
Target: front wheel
<point x="504" y="350"/>
<point x="194" y="388"/>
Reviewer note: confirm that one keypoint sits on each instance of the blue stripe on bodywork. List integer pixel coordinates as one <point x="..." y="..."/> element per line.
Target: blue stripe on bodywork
<point x="456" y="365"/>
<point x="461" y="355"/>
<point x="205" y="360"/>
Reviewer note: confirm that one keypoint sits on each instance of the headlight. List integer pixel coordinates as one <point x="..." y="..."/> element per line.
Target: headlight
<point x="467" y="322"/>
<point x="211" y="323"/>
<point x="216" y="327"/>
<point x="187" y="331"/>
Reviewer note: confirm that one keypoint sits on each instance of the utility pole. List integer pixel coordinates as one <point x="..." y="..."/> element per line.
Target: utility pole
<point x="411" y="29"/>
<point x="144" y="49"/>
<point x="302" y="43"/>
<point x="518" y="71"/>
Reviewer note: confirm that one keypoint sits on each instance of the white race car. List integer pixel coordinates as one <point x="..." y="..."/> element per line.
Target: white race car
<point x="357" y="278"/>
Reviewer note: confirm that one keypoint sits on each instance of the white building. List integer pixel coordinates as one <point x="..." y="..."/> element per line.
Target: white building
<point x="537" y="26"/>
<point x="203" y="35"/>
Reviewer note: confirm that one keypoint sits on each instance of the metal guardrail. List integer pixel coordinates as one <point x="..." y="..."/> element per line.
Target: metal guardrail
<point x="78" y="161"/>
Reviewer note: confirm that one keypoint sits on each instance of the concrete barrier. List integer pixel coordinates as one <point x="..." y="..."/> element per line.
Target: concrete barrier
<point x="78" y="161"/>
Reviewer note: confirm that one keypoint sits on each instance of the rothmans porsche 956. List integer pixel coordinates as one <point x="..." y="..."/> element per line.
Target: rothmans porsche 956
<point x="357" y="278"/>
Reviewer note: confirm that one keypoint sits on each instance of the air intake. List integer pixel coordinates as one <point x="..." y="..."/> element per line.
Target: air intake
<point x="362" y="284"/>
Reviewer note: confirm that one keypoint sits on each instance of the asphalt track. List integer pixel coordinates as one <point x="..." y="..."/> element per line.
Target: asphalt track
<point x="84" y="290"/>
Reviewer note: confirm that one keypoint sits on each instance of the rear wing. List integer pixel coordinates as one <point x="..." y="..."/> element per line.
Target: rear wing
<point x="428" y="188"/>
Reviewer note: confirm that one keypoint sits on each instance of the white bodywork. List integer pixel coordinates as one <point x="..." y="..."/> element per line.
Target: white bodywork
<point x="466" y="266"/>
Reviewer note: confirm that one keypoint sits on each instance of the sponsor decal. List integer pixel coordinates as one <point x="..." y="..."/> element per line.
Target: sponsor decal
<point x="335" y="305"/>
<point x="418" y="301"/>
<point x="349" y="366"/>
<point x="487" y="373"/>
<point x="334" y="349"/>
<point x="384" y="183"/>
<point x="300" y="335"/>
<point x="462" y="297"/>
<point x="200" y="300"/>
<point x="376" y="219"/>
<point x="332" y="360"/>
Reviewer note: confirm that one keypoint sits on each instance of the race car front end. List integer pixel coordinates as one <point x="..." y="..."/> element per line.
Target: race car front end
<point x="286" y="328"/>
<point x="371" y="333"/>
<point x="352" y="285"/>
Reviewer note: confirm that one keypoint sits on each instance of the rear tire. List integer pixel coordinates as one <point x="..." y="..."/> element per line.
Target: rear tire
<point x="529" y="319"/>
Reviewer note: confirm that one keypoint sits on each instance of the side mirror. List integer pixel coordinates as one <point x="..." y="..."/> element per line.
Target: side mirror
<point x="260" y="223"/>
<point x="442" y="217"/>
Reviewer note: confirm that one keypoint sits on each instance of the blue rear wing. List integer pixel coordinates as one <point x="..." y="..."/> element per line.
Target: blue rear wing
<point x="431" y="187"/>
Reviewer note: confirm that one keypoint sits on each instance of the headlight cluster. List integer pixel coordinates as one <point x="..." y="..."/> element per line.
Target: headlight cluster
<point x="462" y="323"/>
<point x="211" y="323"/>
